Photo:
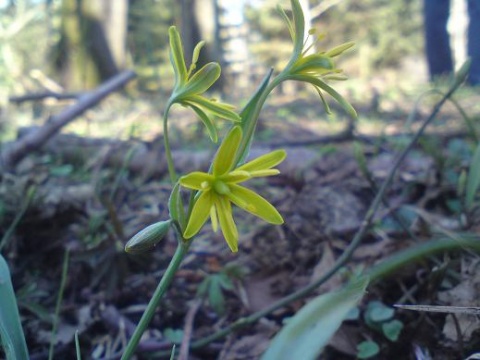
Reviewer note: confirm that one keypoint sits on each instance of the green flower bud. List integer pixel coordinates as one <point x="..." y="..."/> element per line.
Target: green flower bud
<point x="147" y="238"/>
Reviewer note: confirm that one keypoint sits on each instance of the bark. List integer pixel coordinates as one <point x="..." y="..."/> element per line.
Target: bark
<point x="92" y="39"/>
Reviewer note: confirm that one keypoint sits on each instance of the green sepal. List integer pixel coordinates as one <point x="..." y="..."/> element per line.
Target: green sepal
<point x="147" y="238"/>
<point x="176" y="56"/>
<point x="313" y="64"/>
<point x="202" y="80"/>
<point x="175" y="207"/>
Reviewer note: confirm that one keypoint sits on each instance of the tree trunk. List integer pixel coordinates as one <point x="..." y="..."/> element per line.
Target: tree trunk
<point x="92" y="38"/>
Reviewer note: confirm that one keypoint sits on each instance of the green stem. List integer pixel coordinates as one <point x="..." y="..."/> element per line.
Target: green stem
<point x="168" y="151"/>
<point x="167" y="278"/>
<point x="59" y="303"/>
<point x="6" y="236"/>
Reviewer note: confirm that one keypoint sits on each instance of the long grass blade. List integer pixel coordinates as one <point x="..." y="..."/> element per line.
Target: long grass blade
<point x="11" y="332"/>
<point x="63" y="282"/>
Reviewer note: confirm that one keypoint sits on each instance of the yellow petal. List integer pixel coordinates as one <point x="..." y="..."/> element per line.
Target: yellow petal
<point x="229" y="229"/>
<point x="214" y="218"/>
<point x="224" y="160"/>
<point x="254" y="204"/>
<point x="199" y="215"/>
<point x="236" y="176"/>
<point x="264" y="162"/>
<point x="195" y="56"/>
<point x="339" y="49"/>
<point x="197" y="180"/>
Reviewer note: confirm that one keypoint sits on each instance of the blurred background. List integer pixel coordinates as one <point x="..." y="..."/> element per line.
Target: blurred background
<point x="70" y="46"/>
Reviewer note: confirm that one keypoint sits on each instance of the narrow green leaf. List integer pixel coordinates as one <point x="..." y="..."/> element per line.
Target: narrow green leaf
<point x="11" y="332"/>
<point x="473" y="179"/>
<point x="311" y="328"/>
<point x="175" y="206"/>
<point x="249" y="116"/>
<point x="215" y="296"/>
<point x="172" y="353"/>
<point x="77" y="346"/>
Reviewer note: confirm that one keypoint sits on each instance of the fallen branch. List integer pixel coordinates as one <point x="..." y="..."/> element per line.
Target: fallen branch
<point x="45" y="95"/>
<point x="17" y="150"/>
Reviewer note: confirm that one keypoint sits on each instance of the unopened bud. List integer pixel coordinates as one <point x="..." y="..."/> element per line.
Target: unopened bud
<point x="148" y="237"/>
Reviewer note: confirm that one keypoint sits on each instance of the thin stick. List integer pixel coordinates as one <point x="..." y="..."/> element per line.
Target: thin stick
<point x="470" y="310"/>
<point x="187" y="331"/>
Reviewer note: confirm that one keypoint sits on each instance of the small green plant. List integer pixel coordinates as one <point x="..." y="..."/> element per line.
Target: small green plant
<point x="381" y="319"/>
<point x="213" y="286"/>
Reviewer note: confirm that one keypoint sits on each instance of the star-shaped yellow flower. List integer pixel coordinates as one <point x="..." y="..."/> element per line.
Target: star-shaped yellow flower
<point x="220" y="188"/>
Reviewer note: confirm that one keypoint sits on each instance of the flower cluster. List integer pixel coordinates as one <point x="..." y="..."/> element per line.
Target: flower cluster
<point x="316" y="68"/>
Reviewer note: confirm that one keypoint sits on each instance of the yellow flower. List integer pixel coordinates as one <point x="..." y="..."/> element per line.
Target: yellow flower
<point x="190" y="85"/>
<point x="317" y="68"/>
<point x="220" y="188"/>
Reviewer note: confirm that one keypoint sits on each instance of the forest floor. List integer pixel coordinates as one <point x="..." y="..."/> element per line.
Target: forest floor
<point x="86" y="204"/>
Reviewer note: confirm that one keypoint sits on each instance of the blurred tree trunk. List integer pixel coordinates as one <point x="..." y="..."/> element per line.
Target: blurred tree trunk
<point x="199" y="21"/>
<point x="92" y="44"/>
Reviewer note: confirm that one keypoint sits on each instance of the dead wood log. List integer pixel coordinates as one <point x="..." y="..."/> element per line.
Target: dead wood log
<point x="16" y="151"/>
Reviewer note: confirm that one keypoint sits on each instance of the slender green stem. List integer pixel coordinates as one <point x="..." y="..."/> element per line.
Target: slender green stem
<point x="168" y="150"/>
<point x="59" y="303"/>
<point x="167" y="278"/>
<point x="6" y="236"/>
